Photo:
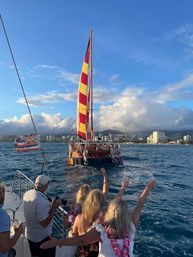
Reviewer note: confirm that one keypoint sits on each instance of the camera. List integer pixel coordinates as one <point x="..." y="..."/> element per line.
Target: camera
<point x="63" y="201"/>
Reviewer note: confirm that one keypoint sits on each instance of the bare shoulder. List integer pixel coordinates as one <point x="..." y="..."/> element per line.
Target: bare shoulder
<point x="78" y="218"/>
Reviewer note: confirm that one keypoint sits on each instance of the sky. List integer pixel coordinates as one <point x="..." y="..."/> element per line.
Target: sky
<point x="142" y="64"/>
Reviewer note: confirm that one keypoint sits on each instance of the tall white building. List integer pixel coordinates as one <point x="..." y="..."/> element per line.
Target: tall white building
<point x="187" y="138"/>
<point x="157" y="137"/>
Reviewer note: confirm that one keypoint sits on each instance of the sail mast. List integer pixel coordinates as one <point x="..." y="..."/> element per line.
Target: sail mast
<point x="91" y="88"/>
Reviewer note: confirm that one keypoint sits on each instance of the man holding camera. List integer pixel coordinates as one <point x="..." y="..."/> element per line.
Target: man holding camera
<point x="39" y="212"/>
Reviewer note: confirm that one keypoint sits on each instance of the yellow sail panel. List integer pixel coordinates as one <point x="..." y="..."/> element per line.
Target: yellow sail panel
<point x="82" y="128"/>
<point x="83" y="88"/>
<point x="85" y="68"/>
<point x="82" y="109"/>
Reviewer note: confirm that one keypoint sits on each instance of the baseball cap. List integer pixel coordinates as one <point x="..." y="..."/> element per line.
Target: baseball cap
<point x="42" y="180"/>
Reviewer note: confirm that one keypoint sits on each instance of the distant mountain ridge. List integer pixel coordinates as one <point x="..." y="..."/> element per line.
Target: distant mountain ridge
<point x="172" y="134"/>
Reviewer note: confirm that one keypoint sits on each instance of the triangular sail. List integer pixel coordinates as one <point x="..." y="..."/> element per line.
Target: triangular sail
<point x="82" y="103"/>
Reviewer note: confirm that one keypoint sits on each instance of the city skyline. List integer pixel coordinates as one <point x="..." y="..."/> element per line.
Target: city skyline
<point x="142" y="61"/>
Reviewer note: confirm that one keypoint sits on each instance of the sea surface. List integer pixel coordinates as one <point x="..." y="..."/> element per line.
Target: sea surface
<point x="166" y="227"/>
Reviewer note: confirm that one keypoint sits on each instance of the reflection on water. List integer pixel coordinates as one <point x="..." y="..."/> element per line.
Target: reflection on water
<point x="166" y="227"/>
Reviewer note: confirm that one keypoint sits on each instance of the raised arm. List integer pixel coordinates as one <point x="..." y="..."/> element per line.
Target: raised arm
<point x="124" y="185"/>
<point x="138" y="208"/>
<point x="105" y="182"/>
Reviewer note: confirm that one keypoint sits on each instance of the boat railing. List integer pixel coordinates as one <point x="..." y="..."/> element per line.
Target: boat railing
<point x="99" y="142"/>
<point x="21" y="184"/>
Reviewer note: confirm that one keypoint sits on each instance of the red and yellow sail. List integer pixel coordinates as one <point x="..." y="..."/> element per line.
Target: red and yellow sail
<point x="82" y="103"/>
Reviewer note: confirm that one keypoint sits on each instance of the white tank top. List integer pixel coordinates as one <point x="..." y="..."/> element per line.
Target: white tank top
<point x="105" y="248"/>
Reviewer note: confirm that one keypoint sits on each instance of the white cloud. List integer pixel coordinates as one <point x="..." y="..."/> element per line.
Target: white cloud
<point x="134" y="113"/>
<point x="45" y="123"/>
<point x="138" y="109"/>
<point x="115" y="79"/>
<point x="48" y="97"/>
<point x="135" y="108"/>
<point x="57" y="72"/>
<point x="73" y="78"/>
<point x="184" y="35"/>
<point x="46" y="66"/>
<point x="181" y="90"/>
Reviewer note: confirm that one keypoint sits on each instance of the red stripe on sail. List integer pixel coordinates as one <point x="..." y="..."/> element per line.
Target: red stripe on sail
<point x="88" y="107"/>
<point x="86" y="59"/>
<point x="82" y="99"/>
<point x="82" y="135"/>
<point x="82" y="118"/>
<point x="84" y="78"/>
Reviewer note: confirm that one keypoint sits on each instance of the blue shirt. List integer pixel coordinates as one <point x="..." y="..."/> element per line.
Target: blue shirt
<point x="4" y="226"/>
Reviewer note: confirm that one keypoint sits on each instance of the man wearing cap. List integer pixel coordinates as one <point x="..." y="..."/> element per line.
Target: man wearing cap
<point x="6" y="241"/>
<point x="39" y="212"/>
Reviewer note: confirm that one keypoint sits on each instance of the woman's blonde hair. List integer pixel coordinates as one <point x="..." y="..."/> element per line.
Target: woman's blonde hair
<point x="82" y="194"/>
<point x="118" y="218"/>
<point x="93" y="205"/>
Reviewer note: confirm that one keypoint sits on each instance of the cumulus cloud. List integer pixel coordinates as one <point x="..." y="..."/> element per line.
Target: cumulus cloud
<point x="45" y="123"/>
<point x="135" y="113"/>
<point x="137" y="109"/>
<point x="133" y="109"/>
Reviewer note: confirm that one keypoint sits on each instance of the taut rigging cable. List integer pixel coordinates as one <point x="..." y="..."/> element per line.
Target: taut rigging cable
<point x="20" y="82"/>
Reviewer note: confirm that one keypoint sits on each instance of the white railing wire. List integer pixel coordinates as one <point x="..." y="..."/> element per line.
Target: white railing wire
<point x="22" y="184"/>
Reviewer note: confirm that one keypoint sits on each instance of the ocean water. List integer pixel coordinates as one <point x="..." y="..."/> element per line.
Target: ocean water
<point x="166" y="227"/>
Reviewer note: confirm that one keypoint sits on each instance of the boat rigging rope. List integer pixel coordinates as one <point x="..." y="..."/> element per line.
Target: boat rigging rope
<point x="19" y="78"/>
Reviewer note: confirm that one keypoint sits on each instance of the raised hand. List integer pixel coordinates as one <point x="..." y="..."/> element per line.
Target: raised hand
<point x="103" y="171"/>
<point x="125" y="183"/>
<point x="151" y="184"/>
<point x="56" y="203"/>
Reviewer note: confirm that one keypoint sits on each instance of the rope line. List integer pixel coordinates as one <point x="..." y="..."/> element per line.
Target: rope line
<point x="20" y="82"/>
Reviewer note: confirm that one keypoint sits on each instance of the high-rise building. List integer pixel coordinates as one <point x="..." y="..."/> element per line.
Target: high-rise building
<point x="157" y="137"/>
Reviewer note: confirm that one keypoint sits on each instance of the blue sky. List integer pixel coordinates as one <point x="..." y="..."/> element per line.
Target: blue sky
<point x="142" y="60"/>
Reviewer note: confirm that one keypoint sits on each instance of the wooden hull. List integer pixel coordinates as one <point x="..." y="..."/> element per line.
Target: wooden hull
<point x="90" y="152"/>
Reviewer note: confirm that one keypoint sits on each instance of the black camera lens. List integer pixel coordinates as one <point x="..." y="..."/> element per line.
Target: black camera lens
<point x="64" y="202"/>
